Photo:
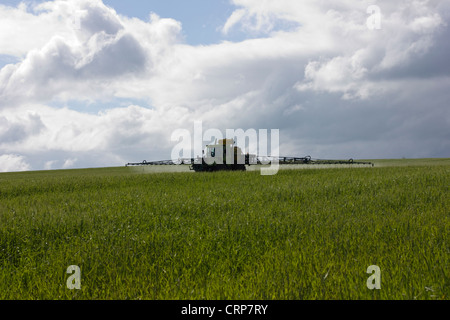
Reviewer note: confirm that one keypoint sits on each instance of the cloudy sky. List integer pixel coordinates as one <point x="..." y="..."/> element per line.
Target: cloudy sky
<point x="91" y="83"/>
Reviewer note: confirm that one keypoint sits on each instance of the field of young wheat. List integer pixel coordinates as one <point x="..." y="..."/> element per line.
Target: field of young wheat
<point x="301" y="234"/>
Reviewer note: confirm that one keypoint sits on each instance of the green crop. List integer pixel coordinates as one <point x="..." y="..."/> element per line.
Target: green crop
<point x="301" y="234"/>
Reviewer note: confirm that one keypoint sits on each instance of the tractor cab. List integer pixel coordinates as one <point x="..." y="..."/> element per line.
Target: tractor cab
<point x="224" y="152"/>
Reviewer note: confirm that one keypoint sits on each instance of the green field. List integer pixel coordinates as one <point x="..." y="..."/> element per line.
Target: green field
<point x="302" y="234"/>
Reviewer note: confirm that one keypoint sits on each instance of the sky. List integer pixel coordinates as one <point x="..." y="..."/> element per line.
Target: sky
<point x="91" y="83"/>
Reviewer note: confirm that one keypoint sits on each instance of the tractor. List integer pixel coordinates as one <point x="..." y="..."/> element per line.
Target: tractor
<point x="223" y="155"/>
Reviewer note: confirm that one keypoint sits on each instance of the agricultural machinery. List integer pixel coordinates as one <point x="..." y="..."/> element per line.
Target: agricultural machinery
<point x="224" y="155"/>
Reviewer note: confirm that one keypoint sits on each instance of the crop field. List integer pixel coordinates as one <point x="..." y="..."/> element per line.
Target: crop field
<point x="301" y="234"/>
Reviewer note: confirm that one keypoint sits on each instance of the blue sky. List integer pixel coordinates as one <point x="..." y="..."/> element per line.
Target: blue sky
<point x="201" y="19"/>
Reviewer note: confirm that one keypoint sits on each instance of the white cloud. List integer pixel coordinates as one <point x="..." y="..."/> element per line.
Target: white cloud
<point x="69" y="163"/>
<point x="235" y="17"/>
<point x="85" y="63"/>
<point x="13" y="163"/>
<point x="49" y="165"/>
<point x="313" y="81"/>
<point x="427" y="24"/>
<point x="73" y="131"/>
<point x="22" y="30"/>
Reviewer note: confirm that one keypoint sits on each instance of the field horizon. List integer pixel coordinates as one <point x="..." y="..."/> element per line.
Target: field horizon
<point x="185" y="168"/>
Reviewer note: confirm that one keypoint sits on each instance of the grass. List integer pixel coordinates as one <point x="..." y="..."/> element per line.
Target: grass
<point x="302" y="234"/>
